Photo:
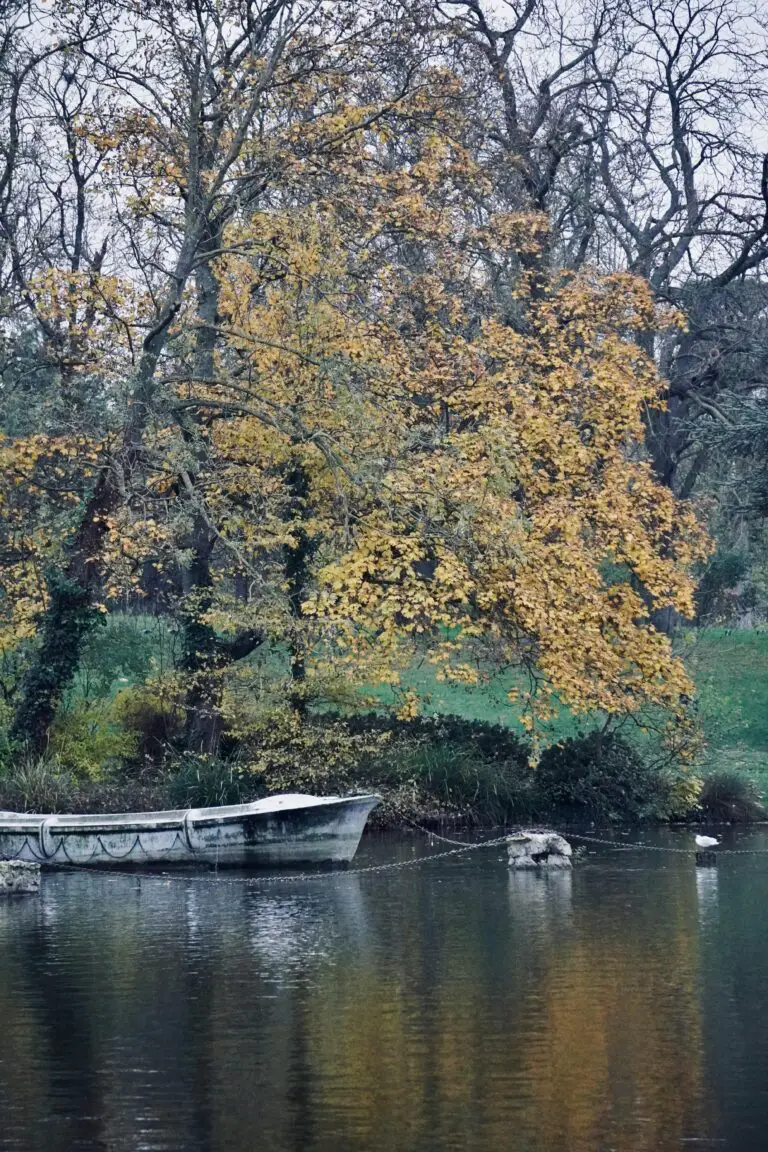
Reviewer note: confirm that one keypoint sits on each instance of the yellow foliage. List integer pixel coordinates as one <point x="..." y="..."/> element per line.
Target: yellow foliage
<point x="468" y="477"/>
<point x="450" y="444"/>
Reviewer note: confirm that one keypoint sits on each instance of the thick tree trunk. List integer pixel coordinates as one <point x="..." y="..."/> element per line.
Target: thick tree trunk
<point x="200" y="651"/>
<point x="69" y="619"/>
<point x="67" y="625"/>
<point x="214" y="137"/>
<point x="205" y="657"/>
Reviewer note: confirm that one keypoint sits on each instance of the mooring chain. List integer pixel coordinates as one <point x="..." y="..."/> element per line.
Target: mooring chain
<point x="629" y="847"/>
<point x="664" y="848"/>
<point x="633" y="847"/>
<point x="285" y="878"/>
<point x="392" y="866"/>
<point x="460" y="849"/>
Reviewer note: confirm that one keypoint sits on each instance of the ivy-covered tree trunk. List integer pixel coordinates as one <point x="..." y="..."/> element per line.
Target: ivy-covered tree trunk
<point x="68" y="623"/>
<point x="204" y="134"/>
<point x="205" y="658"/>
<point x="72" y="613"/>
<point x="199" y="657"/>
<point x="70" y="617"/>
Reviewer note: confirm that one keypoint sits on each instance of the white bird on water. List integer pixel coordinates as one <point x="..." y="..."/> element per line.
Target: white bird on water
<point x="706" y="842"/>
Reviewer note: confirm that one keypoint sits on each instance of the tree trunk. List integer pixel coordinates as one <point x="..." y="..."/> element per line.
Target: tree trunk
<point x="199" y="657"/>
<point x="297" y="559"/>
<point x="68" y="623"/>
<point x="212" y="137"/>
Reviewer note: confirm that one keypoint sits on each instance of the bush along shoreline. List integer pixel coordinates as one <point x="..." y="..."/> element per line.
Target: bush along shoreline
<point x="438" y="772"/>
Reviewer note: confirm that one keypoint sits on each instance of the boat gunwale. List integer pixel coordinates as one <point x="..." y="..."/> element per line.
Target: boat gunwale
<point x="172" y="819"/>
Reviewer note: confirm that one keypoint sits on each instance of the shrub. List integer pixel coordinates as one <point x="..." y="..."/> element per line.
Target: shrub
<point x="458" y="781"/>
<point x="37" y="785"/>
<point x="728" y="796"/>
<point x="154" y="718"/>
<point x="305" y="753"/>
<point x="601" y="776"/>
<point x="122" y="648"/>
<point x="44" y="785"/>
<point x="718" y="596"/>
<point x="88" y="738"/>
<point x="7" y="751"/>
<point x="446" y="767"/>
<point x="490" y="742"/>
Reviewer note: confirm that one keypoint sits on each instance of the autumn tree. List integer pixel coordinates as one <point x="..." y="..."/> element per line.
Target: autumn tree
<point x="337" y="371"/>
<point x="185" y="111"/>
<point x="403" y="458"/>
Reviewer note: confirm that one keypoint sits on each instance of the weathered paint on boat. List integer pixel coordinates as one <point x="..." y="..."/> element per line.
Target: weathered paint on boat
<point x="286" y="830"/>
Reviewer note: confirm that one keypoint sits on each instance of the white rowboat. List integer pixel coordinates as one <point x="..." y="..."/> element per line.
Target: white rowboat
<point x="286" y="830"/>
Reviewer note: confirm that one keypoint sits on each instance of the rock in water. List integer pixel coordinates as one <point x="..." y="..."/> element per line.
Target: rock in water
<point x="17" y="876"/>
<point x="538" y="850"/>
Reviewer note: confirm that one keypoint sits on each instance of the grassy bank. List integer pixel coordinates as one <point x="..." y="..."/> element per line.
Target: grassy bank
<point x="466" y="761"/>
<point x="729" y="667"/>
<point x="731" y="673"/>
<point x="436" y="771"/>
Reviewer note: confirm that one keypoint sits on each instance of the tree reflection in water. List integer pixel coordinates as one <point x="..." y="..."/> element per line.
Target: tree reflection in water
<point x="456" y="1006"/>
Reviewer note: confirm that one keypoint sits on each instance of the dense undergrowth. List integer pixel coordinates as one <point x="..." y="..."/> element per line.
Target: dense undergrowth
<point x="117" y="745"/>
<point x="434" y="771"/>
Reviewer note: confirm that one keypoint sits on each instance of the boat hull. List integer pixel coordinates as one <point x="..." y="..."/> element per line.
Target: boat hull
<point x="282" y="831"/>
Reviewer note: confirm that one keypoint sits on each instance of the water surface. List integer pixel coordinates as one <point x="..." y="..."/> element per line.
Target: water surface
<point x="445" y="1007"/>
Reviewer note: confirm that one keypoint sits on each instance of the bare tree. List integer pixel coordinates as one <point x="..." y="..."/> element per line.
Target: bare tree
<point x="683" y="185"/>
<point x="639" y="128"/>
<point x="532" y="67"/>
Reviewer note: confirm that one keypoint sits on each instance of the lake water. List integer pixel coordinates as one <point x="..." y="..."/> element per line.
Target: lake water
<point x="449" y="1006"/>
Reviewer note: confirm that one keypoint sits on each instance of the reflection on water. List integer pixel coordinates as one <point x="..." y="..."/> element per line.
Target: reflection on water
<point x="541" y="899"/>
<point x="707" y="880"/>
<point x="455" y="1006"/>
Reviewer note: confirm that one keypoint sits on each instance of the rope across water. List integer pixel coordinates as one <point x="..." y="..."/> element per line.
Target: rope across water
<point x="636" y="847"/>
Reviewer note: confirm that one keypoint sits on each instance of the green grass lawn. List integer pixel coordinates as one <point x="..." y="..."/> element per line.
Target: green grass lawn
<point x="730" y="669"/>
<point x="486" y="701"/>
<point x="731" y="673"/>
